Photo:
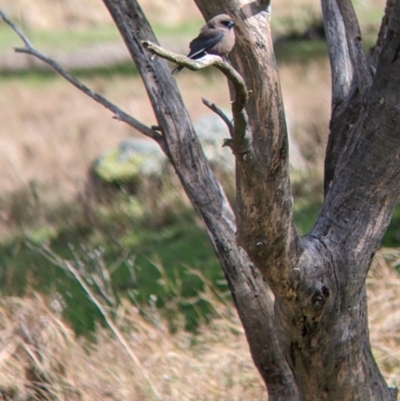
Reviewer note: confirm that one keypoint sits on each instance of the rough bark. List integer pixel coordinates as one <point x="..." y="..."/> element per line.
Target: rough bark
<point x="181" y="145"/>
<point x="342" y="69"/>
<point x="345" y="108"/>
<point x="346" y="99"/>
<point x="382" y="36"/>
<point x="319" y="282"/>
<point x="264" y="212"/>
<point x="320" y="311"/>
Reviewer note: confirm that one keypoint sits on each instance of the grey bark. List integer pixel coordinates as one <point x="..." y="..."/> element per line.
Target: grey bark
<point x="181" y="145"/>
<point x="320" y="297"/>
<point x="312" y="343"/>
<point x="320" y="309"/>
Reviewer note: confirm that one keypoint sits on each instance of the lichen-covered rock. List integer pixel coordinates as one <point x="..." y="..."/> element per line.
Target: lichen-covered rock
<point x="132" y="159"/>
<point x="135" y="159"/>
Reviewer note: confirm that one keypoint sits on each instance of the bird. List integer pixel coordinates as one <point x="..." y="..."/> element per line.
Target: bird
<point x="216" y="37"/>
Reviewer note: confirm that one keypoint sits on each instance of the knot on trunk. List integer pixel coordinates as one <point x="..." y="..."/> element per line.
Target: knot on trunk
<point x="319" y="297"/>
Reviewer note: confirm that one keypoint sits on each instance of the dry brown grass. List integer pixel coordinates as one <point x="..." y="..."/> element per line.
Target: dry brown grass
<point x="75" y="13"/>
<point x="42" y="359"/>
<point x="51" y="133"/>
<point x="41" y="356"/>
<point x="306" y="90"/>
<point x="384" y="312"/>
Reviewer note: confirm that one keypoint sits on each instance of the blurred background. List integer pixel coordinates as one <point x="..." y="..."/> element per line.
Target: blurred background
<point x="79" y="187"/>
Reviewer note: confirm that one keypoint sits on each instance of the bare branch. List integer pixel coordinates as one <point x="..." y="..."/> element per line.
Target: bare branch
<point x="118" y="113"/>
<point x="341" y="66"/>
<point x="354" y="43"/>
<point x="344" y="116"/>
<point x="220" y="113"/>
<point x="15" y="28"/>
<point x="206" y="195"/>
<point x="374" y="57"/>
<point x="242" y="94"/>
<point x="367" y="178"/>
<point x="239" y="144"/>
<point x="349" y="71"/>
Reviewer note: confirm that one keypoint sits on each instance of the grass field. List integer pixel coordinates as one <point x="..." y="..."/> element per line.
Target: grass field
<point x="51" y="134"/>
<point x="41" y="357"/>
<point x="46" y="171"/>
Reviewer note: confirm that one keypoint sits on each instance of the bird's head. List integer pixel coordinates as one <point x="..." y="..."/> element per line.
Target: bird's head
<point x="221" y="21"/>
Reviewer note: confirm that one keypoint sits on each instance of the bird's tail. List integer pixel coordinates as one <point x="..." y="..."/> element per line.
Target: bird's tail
<point x="176" y="70"/>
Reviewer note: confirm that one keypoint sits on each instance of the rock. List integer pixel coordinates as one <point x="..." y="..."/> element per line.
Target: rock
<point x="134" y="158"/>
<point x="212" y="131"/>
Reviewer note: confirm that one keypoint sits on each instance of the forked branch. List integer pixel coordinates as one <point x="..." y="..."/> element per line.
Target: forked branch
<point x="341" y="66"/>
<point x="118" y="113"/>
<point x="238" y="130"/>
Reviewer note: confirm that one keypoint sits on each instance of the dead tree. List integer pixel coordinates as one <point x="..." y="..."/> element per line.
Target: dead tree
<point x="311" y="342"/>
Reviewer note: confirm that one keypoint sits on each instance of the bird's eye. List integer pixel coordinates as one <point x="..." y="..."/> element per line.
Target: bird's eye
<point x="229" y="23"/>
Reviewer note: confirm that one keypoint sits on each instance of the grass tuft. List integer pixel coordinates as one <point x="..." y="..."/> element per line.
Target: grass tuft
<point x="41" y="357"/>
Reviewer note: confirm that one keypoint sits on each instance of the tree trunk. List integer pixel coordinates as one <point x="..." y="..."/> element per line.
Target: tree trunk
<point x="312" y="342"/>
<point x="319" y="282"/>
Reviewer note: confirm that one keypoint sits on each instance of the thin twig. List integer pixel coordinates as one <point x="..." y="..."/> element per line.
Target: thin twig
<point x="220" y="113"/>
<point x="105" y="293"/>
<point x="67" y="265"/>
<point x="15" y="28"/>
<point x="239" y="144"/>
<point x="118" y="113"/>
<point x="112" y="326"/>
<point x="341" y="65"/>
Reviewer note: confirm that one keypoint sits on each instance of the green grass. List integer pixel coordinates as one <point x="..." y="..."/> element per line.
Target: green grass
<point x="69" y="40"/>
<point x="47" y="77"/>
<point x="306" y="214"/>
<point x="152" y="263"/>
<point x="8" y="39"/>
<point x="187" y="29"/>
<point x="294" y="51"/>
<point x="392" y="235"/>
<point x="149" y="262"/>
<point x="73" y="39"/>
<point x="50" y="41"/>
<point x="59" y="39"/>
<point x="287" y="52"/>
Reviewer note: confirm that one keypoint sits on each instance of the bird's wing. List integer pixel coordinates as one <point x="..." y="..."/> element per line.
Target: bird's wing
<point x="204" y="42"/>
